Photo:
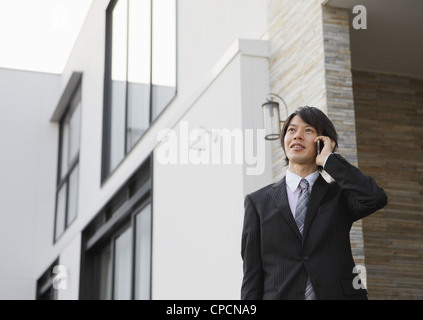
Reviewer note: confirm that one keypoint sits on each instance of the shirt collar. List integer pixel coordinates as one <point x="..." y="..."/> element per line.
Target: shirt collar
<point x="293" y="180"/>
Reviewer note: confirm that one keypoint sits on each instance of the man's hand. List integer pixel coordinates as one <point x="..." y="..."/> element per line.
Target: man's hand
<point x="328" y="147"/>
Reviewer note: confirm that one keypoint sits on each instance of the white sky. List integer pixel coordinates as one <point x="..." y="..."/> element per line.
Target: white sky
<point x="38" y="35"/>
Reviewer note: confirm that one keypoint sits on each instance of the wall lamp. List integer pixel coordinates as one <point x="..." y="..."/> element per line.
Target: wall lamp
<point x="271" y="117"/>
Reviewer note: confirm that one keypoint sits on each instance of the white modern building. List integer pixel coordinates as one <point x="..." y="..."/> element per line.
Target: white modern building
<point x="125" y="176"/>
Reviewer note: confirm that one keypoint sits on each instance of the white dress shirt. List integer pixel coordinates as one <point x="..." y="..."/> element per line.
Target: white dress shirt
<point x="293" y="189"/>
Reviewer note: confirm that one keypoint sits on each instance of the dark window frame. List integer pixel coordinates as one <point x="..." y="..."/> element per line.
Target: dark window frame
<point x="113" y="219"/>
<point x="44" y="288"/>
<point x="106" y="170"/>
<point x="63" y="179"/>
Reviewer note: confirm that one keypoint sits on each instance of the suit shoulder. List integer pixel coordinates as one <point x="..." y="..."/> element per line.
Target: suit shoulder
<point x="258" y="194"/>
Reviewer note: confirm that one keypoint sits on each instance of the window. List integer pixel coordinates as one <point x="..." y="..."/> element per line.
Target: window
<point x="68" y="172"/>
<point x="140" y="72"/>
<point x="116" y="254"/>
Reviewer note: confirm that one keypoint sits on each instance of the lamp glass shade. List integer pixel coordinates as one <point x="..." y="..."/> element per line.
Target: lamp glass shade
<point x="271" y="118"/>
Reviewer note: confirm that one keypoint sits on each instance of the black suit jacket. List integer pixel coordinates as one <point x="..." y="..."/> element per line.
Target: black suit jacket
<point x="277" y="259"/>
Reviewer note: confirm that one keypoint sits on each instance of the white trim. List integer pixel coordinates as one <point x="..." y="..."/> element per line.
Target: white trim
<point x="66" y="96"/>
<point x="245" y="47"/>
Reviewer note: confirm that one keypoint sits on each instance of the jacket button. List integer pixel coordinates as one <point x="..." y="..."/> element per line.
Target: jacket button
<point x="306" y="258"/>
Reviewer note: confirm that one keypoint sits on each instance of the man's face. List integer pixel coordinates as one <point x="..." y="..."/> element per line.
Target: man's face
<point x="300" y="147"/>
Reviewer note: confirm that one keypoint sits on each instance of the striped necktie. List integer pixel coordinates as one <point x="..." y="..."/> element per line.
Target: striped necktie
<point x="300" y="213"/>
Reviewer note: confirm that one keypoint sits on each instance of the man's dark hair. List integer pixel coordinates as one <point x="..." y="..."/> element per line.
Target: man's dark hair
<point x="315" y="118"/>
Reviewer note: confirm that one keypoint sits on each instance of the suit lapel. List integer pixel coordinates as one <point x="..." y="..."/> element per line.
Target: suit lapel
<point x="281" y="200"/>
<point x="318" y="192"/>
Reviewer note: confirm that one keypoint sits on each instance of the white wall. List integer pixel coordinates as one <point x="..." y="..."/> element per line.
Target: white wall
<point x="198" y="208"/>
<point x="28" y="144"/>
<point x="207" y="28"/>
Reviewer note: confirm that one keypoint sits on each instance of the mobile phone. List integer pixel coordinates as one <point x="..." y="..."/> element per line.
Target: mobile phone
<point x="320" y="146"/>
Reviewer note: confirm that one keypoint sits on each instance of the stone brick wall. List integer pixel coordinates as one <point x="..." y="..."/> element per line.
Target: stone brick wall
<point x="339" y="93"/>
<point x="310" y="64"/>
<point x="389" y="121"/>
<point x="297" y="70"/>
<point x="339" y="99"/>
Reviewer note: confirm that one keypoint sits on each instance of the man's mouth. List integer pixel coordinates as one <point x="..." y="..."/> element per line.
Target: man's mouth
<point x="297" y="146"/>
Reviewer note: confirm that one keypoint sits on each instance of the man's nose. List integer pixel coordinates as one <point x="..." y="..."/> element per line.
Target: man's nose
<point x="298" y="135"/>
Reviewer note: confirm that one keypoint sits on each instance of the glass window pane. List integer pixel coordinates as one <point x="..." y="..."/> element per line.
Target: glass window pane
<point x="164" y="54"/>
<point x="138" y="70"/>
<point x="117" y="134"/>
<point x="74" y="129"/>
<point x="161" y="96"/>
<point x="73" y="195"/>
<point x="64" y="150"/>
<point x="138" y="112"/>
<point x="118" y="85"/>
<point x="60" y="211"/>
<point x="139" y="25"/>
<point x="119" y="40"/>
<point x="143" y="253"/>
<point x="123" y="264"/>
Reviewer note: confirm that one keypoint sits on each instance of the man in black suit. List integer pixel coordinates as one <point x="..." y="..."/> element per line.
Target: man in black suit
<point x="286" y="259"/>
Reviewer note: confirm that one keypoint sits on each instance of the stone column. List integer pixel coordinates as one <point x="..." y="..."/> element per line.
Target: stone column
<point x="310" y="64"/>
<point x="339" y="98"/>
